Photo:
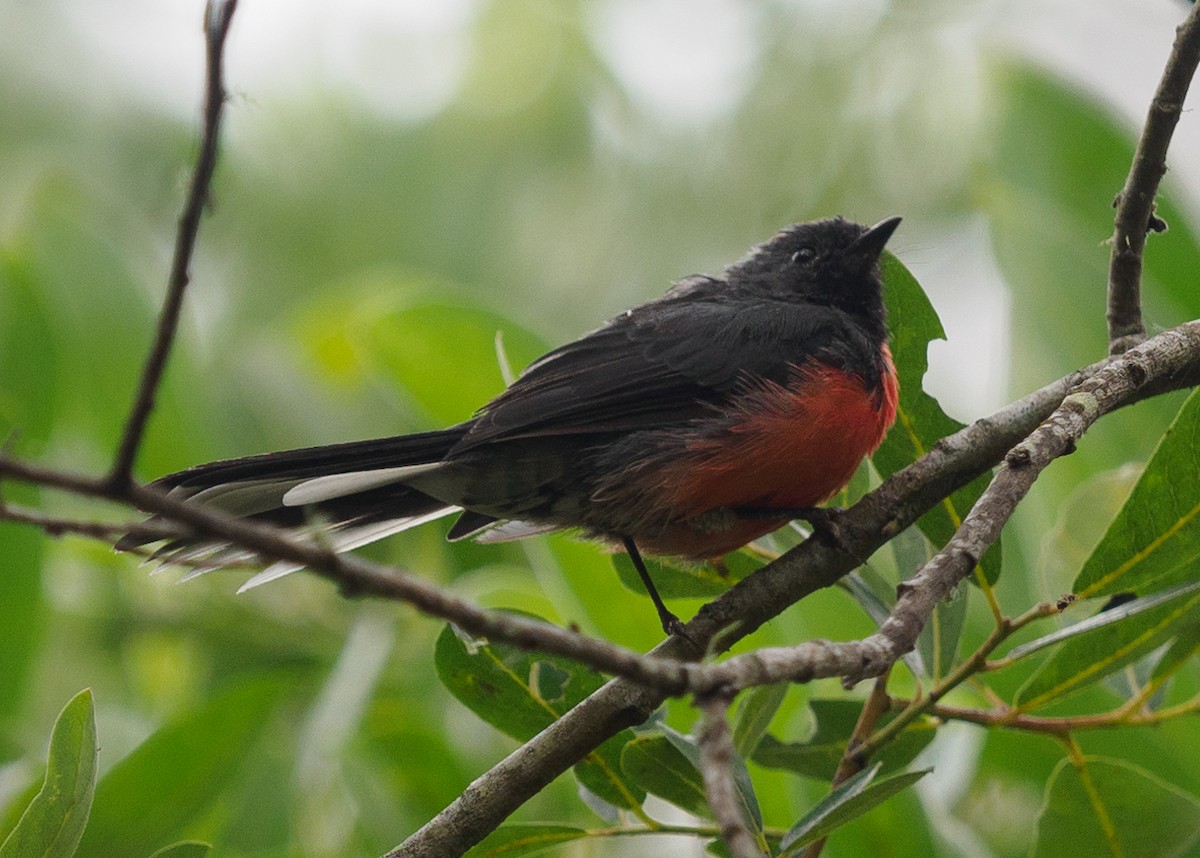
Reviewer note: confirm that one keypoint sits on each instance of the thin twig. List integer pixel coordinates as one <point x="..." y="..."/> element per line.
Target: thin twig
<point x="58" y="526"/>
<point x="972" y="666"/>
<point x="1061" y="725"/>
<point x="217" y="18"/>
<point x="717" y="757"/>
<point x="1135" y="203"/>
<point x="852" y="762"/>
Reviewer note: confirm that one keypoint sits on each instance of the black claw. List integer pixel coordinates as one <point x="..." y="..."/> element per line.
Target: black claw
<point x="672" y="625"/>
<point x="824" y="521"/>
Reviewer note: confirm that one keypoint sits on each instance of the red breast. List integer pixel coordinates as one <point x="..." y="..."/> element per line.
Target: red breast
<point x="790" y="446"/>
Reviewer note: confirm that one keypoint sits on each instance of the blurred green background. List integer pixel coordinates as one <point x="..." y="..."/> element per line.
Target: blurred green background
<point x="401" y="181"/>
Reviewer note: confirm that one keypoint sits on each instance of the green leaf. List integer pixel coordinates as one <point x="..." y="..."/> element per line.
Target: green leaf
<point x="852" y="799"/>
<point x="1103" y="646"/>
<point x="818" y="757"/>
<point x="758" y="706"/>
<point x="938" y="642"/>
<point x="184" y="849"/>
<point x="1155" y="539"/>
<point x="445" y="355"/>
<point x="1185" y="645"/>
<point x="54" y="821"/>
<point x="512" y="841"/>
<point x="718" y="849"/>
<point x="659" y="767"/>
<point x="153" y="795"/>
<point x="521" y="693"/>
<point x="674" y="579"/>
<point x="751" y="812"/>
<point x="920" y="421"/>
<point x="1114" y="808"/>
<point x="1103" y="618"/>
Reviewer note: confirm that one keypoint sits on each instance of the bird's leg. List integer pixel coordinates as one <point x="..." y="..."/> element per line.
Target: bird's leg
<point x="671" y="624"/>
<point x="824" y="520"/>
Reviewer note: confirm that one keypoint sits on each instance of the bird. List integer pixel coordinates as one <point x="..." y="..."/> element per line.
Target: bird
<point x="686" y="426"/>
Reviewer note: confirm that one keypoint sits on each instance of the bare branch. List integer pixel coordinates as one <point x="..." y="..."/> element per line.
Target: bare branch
<point x="57" y="526"/>
<point x="716" y="764"/>
<point x="896" y="504"/>
<point x="1135" y="203"/>
<point x="218" y="16"/>
<point x="1064" y="725"/>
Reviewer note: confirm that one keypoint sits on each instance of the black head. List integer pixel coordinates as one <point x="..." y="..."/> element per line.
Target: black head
<point x="831" y="262"/>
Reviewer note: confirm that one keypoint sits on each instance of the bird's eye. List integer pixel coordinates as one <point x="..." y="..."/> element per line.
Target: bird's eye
<point x="804" y="254"/>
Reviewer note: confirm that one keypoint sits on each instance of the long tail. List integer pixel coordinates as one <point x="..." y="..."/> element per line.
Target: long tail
<point x="355" y="491"/>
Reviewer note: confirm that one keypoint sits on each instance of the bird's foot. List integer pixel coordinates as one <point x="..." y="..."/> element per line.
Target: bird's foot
<point x="823" y="519"/>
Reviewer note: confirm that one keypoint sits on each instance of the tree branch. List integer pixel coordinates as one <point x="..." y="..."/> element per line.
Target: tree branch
<point x="217" y="18"/>
<point x="896" y="504"/>
<point x="716" y="764"/>
<point x="58" y="526"/>
<point x="1135" y="203"/>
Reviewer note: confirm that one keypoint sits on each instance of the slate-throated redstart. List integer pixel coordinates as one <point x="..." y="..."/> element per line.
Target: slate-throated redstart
<point x="686" y="426"/>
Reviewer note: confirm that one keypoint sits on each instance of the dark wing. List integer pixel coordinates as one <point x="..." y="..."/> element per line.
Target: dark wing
<point x="658" y="365"/>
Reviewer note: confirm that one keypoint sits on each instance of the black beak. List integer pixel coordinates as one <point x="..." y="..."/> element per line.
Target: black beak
<point x="871" y="243"/>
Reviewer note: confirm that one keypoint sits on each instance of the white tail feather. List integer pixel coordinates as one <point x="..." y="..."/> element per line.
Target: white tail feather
<point x="347" y="539"/>
<point x="510" y="531"/>
<point x="246" y="497"/>
<point x="339" y="485"/>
